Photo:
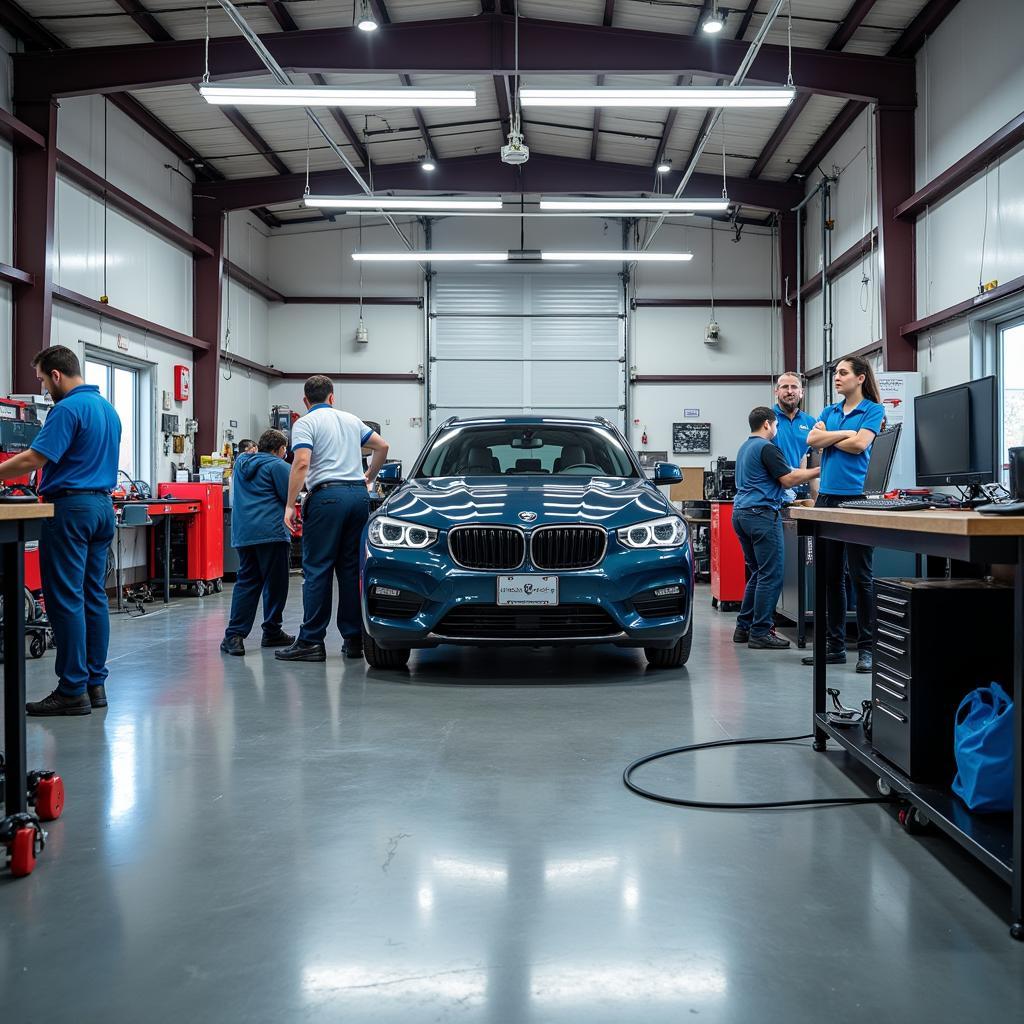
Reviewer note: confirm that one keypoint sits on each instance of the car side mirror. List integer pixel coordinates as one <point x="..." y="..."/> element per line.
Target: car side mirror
<point x="667" y="473"/>
<point x="390" y="473"/>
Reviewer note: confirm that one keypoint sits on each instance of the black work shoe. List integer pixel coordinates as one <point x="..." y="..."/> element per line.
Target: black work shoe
<point x="98" y="696"/>
<point x="302" y="650"/>
<point x="741" y="636"/>
<point x="352" y="648"/>
<point x="864" y="662"/>
<point x="277" y="639"/>
<point x="58" y="703"/>
<point x="233" y="645"/>
<point x="769" y="642"/>
<point x="831" y="658"/>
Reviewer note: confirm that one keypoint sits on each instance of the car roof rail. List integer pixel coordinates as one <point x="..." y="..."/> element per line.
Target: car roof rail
<point x="448" y="422"/>
<point x="604" y="420"/>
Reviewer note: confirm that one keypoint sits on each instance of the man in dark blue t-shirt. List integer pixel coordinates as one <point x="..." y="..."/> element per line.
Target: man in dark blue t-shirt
<point x="762" y="477"/>
<point x="76" y="453"/>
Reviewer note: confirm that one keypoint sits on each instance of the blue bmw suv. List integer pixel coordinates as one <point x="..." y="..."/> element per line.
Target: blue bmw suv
<point x="530" y="531"/>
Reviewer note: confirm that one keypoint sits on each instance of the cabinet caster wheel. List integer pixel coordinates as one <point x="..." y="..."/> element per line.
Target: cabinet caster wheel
<point x="23" y="852"/>
<point x="218" y="586"/>
<point x="913" y="821"/>
<point x="37" y="647"/>
<point x="820" y="746"/>
<point x="714" y="602"/>
<point x="49" y="797"/>
<point x="1017" y="931"/>
<point x="883" y="787"/>
<point x="199" y="589"/>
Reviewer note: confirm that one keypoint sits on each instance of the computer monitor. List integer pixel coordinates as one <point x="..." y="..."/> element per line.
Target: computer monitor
<point x="957" y="434"/>
<point x="883" y="454"/>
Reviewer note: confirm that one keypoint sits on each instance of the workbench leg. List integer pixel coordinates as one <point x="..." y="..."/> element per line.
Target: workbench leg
<point x="801" y="590"/>
<point x="1017" y="909"/>
<point x="167" y="559"/>
<point x="117" y="566"/>
<point x="13" y="562"/>
<point x="820" y="637"/>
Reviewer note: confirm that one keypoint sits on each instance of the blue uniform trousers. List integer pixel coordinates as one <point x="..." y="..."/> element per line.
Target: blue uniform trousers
<point x="262" y="569"/>
<point x="332" y="526"/>
<point x="759" y="531"/>
<point x="73" y="551"/>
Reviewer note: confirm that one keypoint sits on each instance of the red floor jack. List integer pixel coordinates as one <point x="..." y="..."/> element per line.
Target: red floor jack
<point x="22" y="834"/>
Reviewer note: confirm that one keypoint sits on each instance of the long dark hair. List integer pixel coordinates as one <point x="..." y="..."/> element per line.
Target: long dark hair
<point x="870" y="385"/>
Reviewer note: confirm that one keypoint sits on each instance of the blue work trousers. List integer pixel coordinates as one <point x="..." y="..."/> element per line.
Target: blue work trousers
<point x="839" y="559"/>
<point x="332" y="526"/>
<point x="759" y="531"/>
<point x="262" y="569"/>
<point x="73" y="551"/>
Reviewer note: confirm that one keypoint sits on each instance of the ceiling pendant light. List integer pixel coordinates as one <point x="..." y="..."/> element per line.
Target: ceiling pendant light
<point x="366" y="21"/>
<point x="402" y="204"/>
<point x="653" y="207"/>
<point x="331" y="96"/>
<point x="676" y="96"/>
<point x="664" y="166"/>
<point x="714" y="20"/>
<point x="427" y="163"/>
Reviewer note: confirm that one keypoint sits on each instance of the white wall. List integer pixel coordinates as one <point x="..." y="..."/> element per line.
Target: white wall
<point x="7" y="47"/>
<point x="145" y="274"/>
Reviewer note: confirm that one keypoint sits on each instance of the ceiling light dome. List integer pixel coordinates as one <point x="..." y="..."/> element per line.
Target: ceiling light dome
<point x="714" y="21"/>
<point x="664" y="165"/>
<point x="366" y="21"/>
<point x="428" y="163"/>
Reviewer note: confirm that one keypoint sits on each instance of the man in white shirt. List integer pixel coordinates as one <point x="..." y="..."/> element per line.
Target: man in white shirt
<point x="327" y="457"/>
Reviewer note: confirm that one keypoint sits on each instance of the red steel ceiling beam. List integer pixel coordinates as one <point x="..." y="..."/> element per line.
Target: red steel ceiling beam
<point x="483" y="45"/>
<point x="145" y="20"/>
<point x="910" y="41"/>
<point x="485" y="174"/>
<point x="856" y="14"/>
<point x="748" y="16"/>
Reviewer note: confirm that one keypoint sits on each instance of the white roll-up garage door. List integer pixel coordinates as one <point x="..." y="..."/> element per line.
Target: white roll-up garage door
<point x="505" y="342"/>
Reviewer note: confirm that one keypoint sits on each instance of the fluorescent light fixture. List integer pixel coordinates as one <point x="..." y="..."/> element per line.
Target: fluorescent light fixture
<point x="664" y="166"/>
<point x="330" y="96"/>
<point x="367" y="22"/>
<point x="677" y="96"/>
<point x="644" y="207"/>
<point x="401" y="203"/>
<point x="627" y="256"/>
<point x="431" y="257"/>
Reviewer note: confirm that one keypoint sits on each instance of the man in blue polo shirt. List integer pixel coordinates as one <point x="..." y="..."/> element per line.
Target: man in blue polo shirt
<point x="77" y="455"/>
<point x="794" y="426"/>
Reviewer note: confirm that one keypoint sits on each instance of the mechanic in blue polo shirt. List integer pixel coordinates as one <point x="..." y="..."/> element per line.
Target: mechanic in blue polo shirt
<point x="794" y="427"/>
<point x="844" y="435"/>
<point x="762" y="477"/>
<point x="76" y="453"/>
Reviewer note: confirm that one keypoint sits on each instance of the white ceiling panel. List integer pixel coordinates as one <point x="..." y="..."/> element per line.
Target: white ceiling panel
<point x="85" y="22"/>
<point x="819" y="113"/>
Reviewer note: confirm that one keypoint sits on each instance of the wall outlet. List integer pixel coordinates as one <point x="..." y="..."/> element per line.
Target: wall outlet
<point x="122" y="343"/>
<point x="166" y="401"/>
<point x="415" y="421"/>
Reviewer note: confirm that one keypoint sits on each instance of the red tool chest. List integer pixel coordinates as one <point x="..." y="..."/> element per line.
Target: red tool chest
<point x="728" y="570"/>
<point x="197" y="542"/>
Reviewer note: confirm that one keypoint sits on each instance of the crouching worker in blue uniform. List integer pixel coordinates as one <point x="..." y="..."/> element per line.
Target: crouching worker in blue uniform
<point x="259" y="490"/>
<point x="762" y="479"/>
<point x="76" y="453"/>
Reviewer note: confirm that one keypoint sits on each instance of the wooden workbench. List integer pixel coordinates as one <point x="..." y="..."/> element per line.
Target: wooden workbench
<point x="19" y="523"/>
<point x="968" y="537"/>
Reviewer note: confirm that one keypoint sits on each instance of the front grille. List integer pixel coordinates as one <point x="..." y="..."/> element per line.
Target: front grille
<point x="488" y="621"/>
<point x="567" y="547"/>
<point x="400" y="605"/>
<point x="652" y="605"/>
<point x="487" y="547"/>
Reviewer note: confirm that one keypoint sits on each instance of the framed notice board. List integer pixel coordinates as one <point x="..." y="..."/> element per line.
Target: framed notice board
<point x="691" y="438"/>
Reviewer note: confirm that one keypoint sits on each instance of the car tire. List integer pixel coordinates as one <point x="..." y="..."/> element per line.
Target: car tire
<point x="378" y="657"/>
<point x="674" y="656"/>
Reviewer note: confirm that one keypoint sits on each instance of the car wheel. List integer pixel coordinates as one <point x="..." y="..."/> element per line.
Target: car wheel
<point x="378" y="657"/>
<point x="674" y="656"/>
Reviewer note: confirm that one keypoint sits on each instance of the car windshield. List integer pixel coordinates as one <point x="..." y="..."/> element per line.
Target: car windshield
<point x="516" y="449"/>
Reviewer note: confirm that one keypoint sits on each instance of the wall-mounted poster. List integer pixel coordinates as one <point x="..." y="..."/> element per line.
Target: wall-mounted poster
<point x="691" y="438"/>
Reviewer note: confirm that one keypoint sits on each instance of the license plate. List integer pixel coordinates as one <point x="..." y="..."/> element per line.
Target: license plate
<point x="528" y="590"/>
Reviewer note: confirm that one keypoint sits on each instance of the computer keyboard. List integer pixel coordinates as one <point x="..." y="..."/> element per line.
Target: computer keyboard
<point x="887" y="504"/>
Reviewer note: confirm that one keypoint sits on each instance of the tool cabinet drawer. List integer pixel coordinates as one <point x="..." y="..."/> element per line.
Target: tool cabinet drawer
<point x="892" y="647"/>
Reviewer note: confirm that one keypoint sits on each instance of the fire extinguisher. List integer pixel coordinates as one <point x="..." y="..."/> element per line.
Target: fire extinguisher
<point x="643" y="438"/>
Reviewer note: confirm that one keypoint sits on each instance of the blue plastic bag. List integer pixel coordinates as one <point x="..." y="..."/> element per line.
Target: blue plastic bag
<point x="983" y="745"/>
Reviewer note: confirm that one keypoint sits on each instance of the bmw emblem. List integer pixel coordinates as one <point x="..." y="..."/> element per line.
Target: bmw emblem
<point x="528" y="517"/>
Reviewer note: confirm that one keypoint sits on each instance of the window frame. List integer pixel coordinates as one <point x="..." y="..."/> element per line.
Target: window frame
<point x="142" y="455"/>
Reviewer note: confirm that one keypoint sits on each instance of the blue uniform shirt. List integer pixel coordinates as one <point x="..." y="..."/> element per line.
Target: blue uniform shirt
<point x="81" y="440"/>
<point x="759" y="464"/>
<point x="841" y="472"/>
<point x="792" y="440"/>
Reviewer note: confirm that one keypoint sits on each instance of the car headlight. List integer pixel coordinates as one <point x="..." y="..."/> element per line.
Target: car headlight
<point x="669" y="532"/>
<point x="396" y="533"/>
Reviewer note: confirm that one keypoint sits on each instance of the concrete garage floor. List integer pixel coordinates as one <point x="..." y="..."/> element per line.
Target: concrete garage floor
<point x="246" y="841"/>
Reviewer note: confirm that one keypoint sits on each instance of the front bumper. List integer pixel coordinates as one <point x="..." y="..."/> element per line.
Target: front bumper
<point x="443" y="588"/>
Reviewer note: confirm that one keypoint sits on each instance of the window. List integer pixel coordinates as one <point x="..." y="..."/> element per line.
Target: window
<point x="1011" y="378"/>
<point x="121" y="386"/>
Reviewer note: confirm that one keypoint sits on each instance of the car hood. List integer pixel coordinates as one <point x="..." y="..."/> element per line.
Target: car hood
<point x="444" y="502"/>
